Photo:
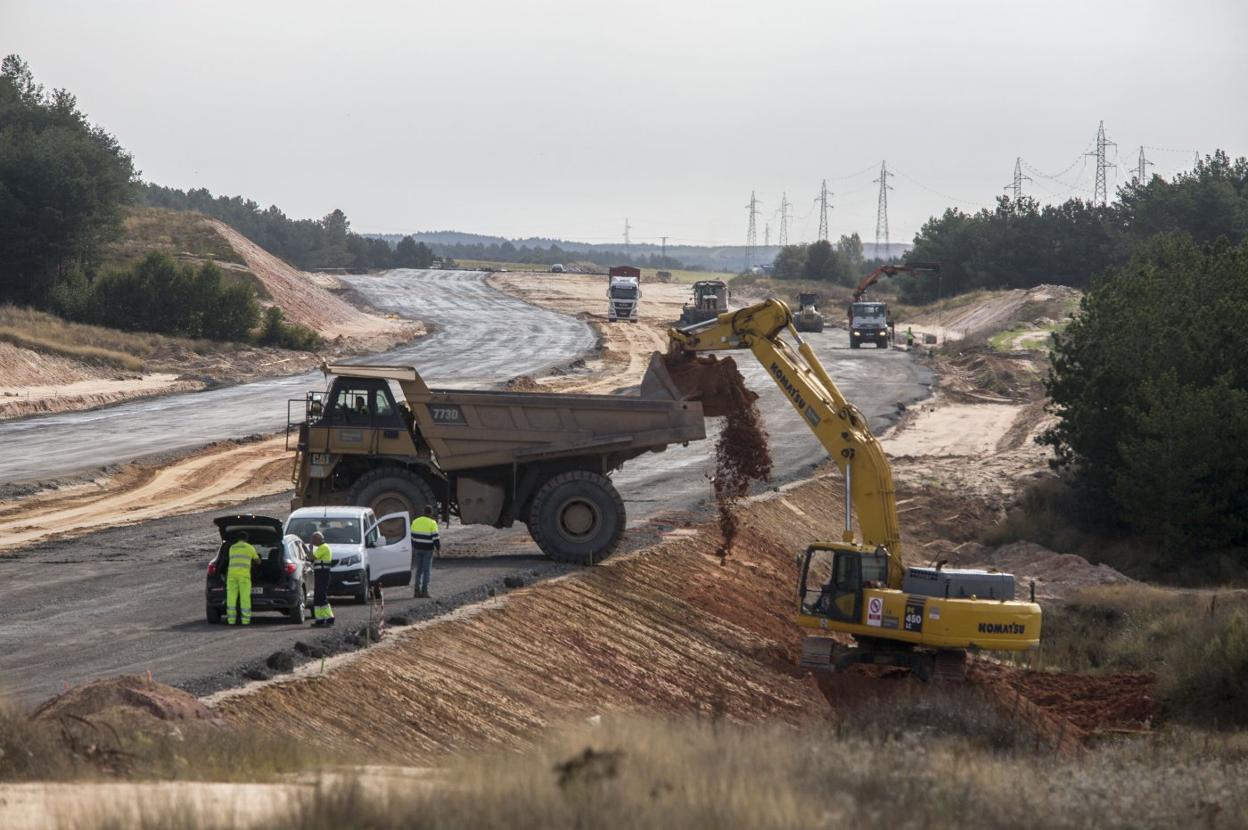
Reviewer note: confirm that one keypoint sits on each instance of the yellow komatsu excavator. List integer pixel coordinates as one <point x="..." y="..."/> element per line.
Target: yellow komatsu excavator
<point x="921" y="618"/>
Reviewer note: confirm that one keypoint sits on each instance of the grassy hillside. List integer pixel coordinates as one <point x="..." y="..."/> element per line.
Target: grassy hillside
<point x="184" y="235"/>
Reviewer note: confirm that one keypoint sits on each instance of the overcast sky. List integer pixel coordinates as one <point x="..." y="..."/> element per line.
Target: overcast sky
<point x="563" y="117"/>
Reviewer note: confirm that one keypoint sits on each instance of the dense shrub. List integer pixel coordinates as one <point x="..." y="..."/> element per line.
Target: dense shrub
<point x="1150" y="387"/>
<point x="158" y="294"/>
<point x="275" y="331"/>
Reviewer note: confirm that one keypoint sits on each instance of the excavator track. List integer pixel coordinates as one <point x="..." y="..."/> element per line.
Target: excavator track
<point x="950" y="666"/>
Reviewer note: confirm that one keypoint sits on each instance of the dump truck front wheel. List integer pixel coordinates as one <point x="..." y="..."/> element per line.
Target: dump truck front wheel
<point x="390" y="490"/>
<point x="577" y="517"/>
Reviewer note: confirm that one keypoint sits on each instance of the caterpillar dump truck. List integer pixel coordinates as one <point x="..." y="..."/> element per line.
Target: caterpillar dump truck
<point x="487" y="457"/>
<point x="921" y="618"/>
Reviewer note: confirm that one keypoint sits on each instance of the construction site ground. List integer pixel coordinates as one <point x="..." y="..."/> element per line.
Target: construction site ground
<point x="60" y="547"/>
<point x="664" y="628"/>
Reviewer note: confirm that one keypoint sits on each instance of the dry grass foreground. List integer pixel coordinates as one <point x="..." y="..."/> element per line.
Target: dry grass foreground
<point x="922" y="762"/>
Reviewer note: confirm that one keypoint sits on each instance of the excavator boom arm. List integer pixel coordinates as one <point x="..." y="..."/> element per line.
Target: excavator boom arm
<point x="892" y="270"/>
<point x="838" y="425"/>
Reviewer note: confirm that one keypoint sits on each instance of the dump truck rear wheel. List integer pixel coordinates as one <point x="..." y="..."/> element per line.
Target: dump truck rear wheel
<point x="577" y="517"/>
<point x="391" y="490"/>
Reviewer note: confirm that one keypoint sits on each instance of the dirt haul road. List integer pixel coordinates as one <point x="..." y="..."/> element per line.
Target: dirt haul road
<point x="159" y="625"/>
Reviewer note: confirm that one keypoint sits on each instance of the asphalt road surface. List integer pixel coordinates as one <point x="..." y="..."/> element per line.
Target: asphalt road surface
<point x="481" y="337"/>
<point x="130" y="599"/>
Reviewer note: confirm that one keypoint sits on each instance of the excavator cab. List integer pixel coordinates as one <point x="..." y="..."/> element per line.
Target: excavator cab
<point x="833" y="579"/>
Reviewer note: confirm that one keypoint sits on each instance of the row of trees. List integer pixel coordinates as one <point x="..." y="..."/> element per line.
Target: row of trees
<point x="63" y="183"/>
<point x="842" y="263"/>
<point x="311" y="244"/>
<point x="1021" y="243"/>
<point x="161" y="295"/>
<point x="550" y="255"/>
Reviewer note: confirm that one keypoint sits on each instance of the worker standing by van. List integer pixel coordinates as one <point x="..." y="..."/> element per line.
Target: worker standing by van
<point x="322" y="562"/>
<point x="424" y="542"/>
<point x="238" y="580"/>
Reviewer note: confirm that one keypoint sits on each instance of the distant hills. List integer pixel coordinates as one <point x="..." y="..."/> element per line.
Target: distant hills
<point x="710" y="257"/>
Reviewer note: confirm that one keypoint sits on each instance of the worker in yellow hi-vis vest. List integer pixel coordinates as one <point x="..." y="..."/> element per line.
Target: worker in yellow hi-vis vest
<point x="424" y="542"/>
<point x="238" y="580"/>
<point x="322" y="563"/>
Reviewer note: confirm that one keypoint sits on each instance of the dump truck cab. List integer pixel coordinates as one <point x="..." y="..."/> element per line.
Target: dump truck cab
<point x="868" y="323"/>
<point x="486" y="457"/>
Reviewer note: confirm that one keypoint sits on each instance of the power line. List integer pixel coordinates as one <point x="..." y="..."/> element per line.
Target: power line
<point x="823" y="211"/>
<point x="766" y="234"/>
<point x="628" y="246"/>
<point x="1100" y="192"/>
<point x="881" y="212"/>
<point x="1019" y="178"/>
<point x="751" y="235"/>
<point x="784" y="220"/>
<point x="918" y="183"/>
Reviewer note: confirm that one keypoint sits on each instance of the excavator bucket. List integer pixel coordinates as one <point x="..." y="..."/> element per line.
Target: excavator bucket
<point x="715" y="382"/>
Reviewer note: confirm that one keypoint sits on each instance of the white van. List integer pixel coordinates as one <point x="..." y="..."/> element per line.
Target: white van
<point x="366" y="550"/>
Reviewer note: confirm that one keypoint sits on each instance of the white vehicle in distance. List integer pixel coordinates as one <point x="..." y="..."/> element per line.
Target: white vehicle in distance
<point x="367" y="550"/>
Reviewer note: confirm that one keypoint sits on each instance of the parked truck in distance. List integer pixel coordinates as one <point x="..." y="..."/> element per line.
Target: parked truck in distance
<point x="623" y="293"/>
<point x="710" y="299"/>
<point x="487" y="457"/>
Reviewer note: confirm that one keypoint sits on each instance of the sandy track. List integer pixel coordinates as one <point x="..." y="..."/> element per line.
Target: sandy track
<point x="213" y="477"/>
<point x="19" y="401"/>
<point x="625" y="347"/>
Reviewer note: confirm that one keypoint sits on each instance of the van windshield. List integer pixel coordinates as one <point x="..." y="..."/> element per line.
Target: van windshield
<point x="341" y="531"/>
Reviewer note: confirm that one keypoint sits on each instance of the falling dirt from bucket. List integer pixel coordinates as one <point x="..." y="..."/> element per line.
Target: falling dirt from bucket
<point x="741" y="453"/>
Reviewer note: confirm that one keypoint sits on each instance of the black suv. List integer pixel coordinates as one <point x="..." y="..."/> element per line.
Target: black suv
<point x="280" y="581"/>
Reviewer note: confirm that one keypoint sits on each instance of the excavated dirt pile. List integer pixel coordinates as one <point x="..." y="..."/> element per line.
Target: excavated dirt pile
<point x="1064" y="708"/>
<point x="742" y="456"/>
<point x="125" y="695"/>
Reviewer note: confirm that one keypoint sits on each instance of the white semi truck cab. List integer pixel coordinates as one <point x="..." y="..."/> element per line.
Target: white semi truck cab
<point x="623" y="294"/>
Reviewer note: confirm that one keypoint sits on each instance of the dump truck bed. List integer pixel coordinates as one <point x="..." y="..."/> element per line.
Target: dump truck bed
<point x="469" y="429"/>
<point x="481" y="429"/>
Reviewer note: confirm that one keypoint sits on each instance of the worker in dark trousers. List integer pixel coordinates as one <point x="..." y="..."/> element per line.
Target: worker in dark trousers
<point x="322" y="562"/>
<point x="424" y="542"/>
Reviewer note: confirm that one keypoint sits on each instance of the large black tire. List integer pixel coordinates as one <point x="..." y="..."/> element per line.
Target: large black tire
<point x="853" y="342"/>
<point x="817" y="326"/>
<point x="392" y="489"/>
<point x="577" y="517"/>
<point x="213" y="614"/>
